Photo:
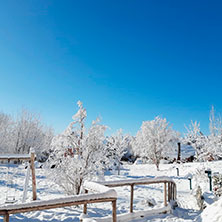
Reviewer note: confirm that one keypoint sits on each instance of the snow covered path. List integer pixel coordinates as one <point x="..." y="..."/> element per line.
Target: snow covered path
<point x="187" y="210"/>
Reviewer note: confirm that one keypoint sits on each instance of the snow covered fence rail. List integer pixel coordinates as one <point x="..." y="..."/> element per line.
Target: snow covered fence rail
<point x="169" y="187"/>
<point x="24" y="157"/>
<point x="107" y="195"/>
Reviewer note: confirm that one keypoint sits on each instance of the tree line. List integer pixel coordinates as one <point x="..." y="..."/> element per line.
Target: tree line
<point x="19" y="134"/>
<point x="81" y="152"/>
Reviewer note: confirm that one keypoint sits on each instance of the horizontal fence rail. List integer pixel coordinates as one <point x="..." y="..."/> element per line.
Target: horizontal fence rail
<point x="108" y="195"/>
<point x="169" y="187"/>
<point x="102" y="192"/>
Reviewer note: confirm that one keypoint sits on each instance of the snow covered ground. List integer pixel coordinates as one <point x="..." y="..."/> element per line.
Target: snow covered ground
<point x="187" y="209"/>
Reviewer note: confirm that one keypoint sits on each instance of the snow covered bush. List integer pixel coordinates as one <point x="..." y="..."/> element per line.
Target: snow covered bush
<point x="154" y="140"/>
<point x="78" y="154"/>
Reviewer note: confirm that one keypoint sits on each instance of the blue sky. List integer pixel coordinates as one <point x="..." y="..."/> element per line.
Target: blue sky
<point x="127" y="61"/>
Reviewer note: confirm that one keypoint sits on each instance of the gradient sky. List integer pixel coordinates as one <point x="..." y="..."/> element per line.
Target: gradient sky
<point x="126" y="60"/>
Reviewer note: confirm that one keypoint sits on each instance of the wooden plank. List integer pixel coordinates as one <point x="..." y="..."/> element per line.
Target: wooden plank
<point x="32" y="167"/>
<point x="134" y="182"/>
<point x="58" y="205"/>
<point x="131" y="198"/>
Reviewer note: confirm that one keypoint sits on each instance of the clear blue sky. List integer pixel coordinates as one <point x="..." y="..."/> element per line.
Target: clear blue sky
<point x="126" y="60"/>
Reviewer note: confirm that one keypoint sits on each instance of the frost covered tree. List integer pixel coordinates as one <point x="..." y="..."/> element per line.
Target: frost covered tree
<point x="118" y="145"/>
<point x="28" y="131"/>
<point x="78" y="153"/>
<point x="154" y="139"/>
<point x="209" y="147"/>
<point x="214" y="145"/>
<point x="6" y="126"/>
<point x="19" y="135"/>
<point x="195" y="138"/>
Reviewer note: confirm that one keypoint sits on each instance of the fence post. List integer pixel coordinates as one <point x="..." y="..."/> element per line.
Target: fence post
<point x="131" y="198"/>
<point x="169" y="191"/>
<point x="32" y="167"/>
<point x="6" y="217"/>
<point x="165" y="194"/>
<point x="85" y="205"/>
<point x="114" y="210"/>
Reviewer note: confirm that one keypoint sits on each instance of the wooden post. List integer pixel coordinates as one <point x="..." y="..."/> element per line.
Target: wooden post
<point x="179" y="152"/>
<point x="175" y="192"/>
<point x="114" y="211"/>
<point x="32" y="167"/>
<point x="85" y="205"/>
<point x="6" y="217"/>
<point x="169" y="191"/>
<point x="165" y="194"/>
<point x="131" y="198"/>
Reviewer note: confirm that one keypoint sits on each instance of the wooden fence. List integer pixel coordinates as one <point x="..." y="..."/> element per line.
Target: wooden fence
<point x="105" y="195"/>
<point x="169" y="187"/>
<point x="24" y="157"/>
<point x="109" y="195"/>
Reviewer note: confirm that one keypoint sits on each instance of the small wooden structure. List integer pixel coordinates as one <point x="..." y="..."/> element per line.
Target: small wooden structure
<point x="24" y="157"/>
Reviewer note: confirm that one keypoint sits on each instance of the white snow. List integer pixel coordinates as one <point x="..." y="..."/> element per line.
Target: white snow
<point x="14" y="156"/>
<point x="99" y="188"/>
<point x="187" y="210"/>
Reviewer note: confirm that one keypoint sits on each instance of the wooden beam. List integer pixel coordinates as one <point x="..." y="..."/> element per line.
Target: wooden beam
<point x="114" y="211"/>
<point x="168" y="184"/>
<point x="131" y="198"/>
<point x="116" y="184"/>
<point x="32" y="167"/>
<point x="165" y="194"/>
<point x="53" y="205"/>
<point x="6" y="218"/>
<point x="85" y="205"/>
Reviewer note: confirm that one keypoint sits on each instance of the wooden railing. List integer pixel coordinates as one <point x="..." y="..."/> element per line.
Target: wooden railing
<point x="102" y="194"/>
<point x="169" y="187"/>
<point x="24" y="157"/>
<point x="105" y="195"/>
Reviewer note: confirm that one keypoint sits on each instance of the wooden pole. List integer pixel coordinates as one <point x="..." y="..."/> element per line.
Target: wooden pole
<point x="168" y="192"/>
<point x="175" y="192"/>
<point x="165" y="194"/>
<point x="131" y="198"/>
<point x="114" y="211"/>
<point x="32" y="167"/>
<point x="85" y="205"/>
<point x="6" y="218"/>
<point x="179" y="152"/>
